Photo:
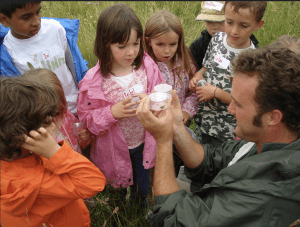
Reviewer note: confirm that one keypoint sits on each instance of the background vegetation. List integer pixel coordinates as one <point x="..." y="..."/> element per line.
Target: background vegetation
<point x="281" y="18"/>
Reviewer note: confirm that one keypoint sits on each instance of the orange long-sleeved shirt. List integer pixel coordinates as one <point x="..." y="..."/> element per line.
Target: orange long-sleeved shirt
<point x="36" y="190"/>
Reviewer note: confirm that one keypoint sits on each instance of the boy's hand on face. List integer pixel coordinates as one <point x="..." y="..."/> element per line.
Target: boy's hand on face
<point x="41" y="143"/>
<point x="121" y="109"/>
<point x="205" y="92"/>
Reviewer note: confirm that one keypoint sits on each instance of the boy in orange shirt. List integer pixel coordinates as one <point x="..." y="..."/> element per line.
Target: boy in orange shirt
<point x="42" y="182"/>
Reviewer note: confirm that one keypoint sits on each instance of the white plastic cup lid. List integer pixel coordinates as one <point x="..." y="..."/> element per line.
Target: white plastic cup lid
<point x="158" y="97"/>
<point x="166" y="88"/>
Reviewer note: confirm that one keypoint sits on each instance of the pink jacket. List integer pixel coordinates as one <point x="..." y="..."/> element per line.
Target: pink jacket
<point x="109" y="151"/>
<point x="66" y="129"/>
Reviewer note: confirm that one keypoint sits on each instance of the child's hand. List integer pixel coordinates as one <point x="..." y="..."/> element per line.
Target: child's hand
<point x="141" y="96"/>
<point x="41" y="143"/>
<point x="85" y="134"/>
<point x="194" y="81"/>
<point x="193" y="84"/>
<point x="186" y="116"/>
<point x="121" y="109"/>
<point x="205" y="92"/>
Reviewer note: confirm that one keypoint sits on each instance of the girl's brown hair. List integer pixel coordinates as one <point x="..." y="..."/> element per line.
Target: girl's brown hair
<point x="114" y="26"/>
<point x="160" y="23"/>
<point x="25" y="105"/>
<point x="45" y="76"/>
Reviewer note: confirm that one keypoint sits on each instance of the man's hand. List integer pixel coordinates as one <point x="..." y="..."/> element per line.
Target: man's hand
<point x="159" y="125"/>
<point x="205" y="92"/>
<point x="121" y="109"/>
<point x="41" y="143"/>
<point x="178" y="123"/>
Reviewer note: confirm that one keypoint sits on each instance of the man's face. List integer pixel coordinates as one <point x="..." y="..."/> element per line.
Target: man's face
<point x="244" y="108"/>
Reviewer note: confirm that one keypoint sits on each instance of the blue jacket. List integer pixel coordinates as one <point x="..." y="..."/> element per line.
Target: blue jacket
<point x="7" y="68"/>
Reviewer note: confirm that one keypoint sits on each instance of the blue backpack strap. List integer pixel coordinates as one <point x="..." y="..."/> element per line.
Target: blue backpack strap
<point x="7" y="68"/>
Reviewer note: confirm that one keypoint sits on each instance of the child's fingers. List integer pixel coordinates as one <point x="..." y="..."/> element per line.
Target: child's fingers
<point x="27" y="146"/>
<point x="34" y="134"/>
<point x="42" y="131"/>
<point x="127" y="100"/>
<point x="128" y="105"/>
<point x="83" y="131"/>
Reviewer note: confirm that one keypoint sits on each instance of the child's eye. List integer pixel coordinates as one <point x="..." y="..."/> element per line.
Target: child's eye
<point x="173" y="44"/>
<point x="137" y="43"/>
<point x="121" y="47"/>
<point x="38" y="12"/>
<point x="244" y="26"/>
<point x="159" y="44"/>
<point x="229" y="22"/>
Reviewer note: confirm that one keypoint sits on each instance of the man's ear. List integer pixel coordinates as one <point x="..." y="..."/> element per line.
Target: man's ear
<point x="4" y="20"/>
<point x="275" y="117"/>
<point x="259" y="25"/>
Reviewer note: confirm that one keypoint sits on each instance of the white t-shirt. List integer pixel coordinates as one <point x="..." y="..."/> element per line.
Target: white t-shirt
<point x="123" y="81"/>
<point x="45" y="50"/>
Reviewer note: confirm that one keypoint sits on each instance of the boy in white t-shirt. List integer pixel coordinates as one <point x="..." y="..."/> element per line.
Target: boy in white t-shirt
<point x="33" y="42"/>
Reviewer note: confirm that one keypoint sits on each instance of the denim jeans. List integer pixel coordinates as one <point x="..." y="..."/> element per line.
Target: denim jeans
<point x="141" y="177"/>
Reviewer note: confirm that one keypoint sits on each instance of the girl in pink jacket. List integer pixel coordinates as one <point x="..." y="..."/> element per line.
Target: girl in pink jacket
<point x="123" y="150"/>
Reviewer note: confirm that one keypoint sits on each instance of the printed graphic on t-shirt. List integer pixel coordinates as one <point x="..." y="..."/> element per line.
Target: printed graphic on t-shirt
<point x="138" y="88"/>
<point x="46" y="59"/>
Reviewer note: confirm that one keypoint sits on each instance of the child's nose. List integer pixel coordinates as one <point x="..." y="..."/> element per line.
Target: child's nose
<point x="235" y="30"/>
<point x="130" y="51"/>
<point x="36" y="21"/>
<point x="166" y="50"/>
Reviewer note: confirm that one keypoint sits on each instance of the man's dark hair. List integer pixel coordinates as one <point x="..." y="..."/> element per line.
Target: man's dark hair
<point x="9" y="7"/>
<point x="25" y="105"/>
<point x="278" y="72"/>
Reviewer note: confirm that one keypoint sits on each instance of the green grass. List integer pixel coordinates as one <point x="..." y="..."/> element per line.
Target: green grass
<point x="281" y="18"/>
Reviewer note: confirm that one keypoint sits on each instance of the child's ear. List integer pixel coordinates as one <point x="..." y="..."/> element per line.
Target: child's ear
<point x="259" y="25"/>
<point x="4" y="20"/>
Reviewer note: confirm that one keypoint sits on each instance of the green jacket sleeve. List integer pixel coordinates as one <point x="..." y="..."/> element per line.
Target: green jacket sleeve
<point x="220" y="208"/>
<point x="214" y="160"/>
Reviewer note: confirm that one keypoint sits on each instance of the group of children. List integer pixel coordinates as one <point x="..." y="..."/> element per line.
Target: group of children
<point x="37" y="141"/>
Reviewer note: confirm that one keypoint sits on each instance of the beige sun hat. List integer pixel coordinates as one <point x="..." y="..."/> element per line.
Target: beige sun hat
<point x="212" y="11"/>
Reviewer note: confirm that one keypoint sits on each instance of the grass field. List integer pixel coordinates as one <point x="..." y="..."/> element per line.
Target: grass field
<point x="281" y="18"/>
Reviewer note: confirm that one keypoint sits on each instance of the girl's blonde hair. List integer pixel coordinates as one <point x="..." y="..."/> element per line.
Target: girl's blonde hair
<point x="114" y="26"/>
<point x="45" y="76"/>
<point x="160" y="23"/>
<point x="291" y="42"/>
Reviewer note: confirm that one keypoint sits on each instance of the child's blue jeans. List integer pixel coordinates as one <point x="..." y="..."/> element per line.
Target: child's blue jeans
<point x="141" y="176"/>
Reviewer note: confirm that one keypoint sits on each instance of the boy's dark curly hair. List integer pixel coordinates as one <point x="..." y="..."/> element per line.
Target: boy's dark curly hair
<point x="278" y="72"/>
<point x="25" y="106"/>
